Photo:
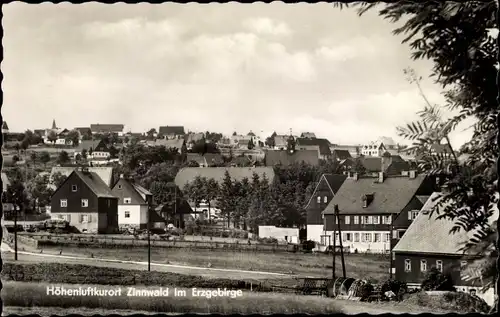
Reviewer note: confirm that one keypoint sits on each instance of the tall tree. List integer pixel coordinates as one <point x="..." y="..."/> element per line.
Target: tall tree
<point x="44" y="157"/>
<point x="74" y="137"/>
<point x="63" y="158"/>
<point x="52" y="136"/>
<point x="225" y="198"/>
<point x="211" y="192"/>
<point x="57" y="179"/>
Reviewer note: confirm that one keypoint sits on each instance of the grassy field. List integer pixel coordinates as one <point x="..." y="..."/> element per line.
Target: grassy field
<point x="371" y="267"/>
<point x="35" y="295"/>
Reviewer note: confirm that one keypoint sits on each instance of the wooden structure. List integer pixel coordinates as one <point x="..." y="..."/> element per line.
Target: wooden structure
<point x="336" y="219"/>
<point x="310" y="286"/>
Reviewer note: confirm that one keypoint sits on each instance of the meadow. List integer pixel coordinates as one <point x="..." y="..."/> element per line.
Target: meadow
<point x="365" y="266"/>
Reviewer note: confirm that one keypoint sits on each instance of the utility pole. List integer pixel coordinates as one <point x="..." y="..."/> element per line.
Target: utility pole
<point x="334" y="247"/>
<point x="340" y="240"/>
<point x="15" y="231"/>
<point x="149" y="237"/>
<point x="391" y="229"/>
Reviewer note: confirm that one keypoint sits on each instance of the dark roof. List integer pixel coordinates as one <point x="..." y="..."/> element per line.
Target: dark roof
<point x="372" y="164"/>
<point x="103" y="128"/>
<point x="390" y="196"/>
<point x="127" y="190"/>
<point x="213" y="158"/>
<point x="427" y="234"/>
<point x="105" y="173"/>
<point x="188" y="174"/>
<point x="178" y="130"/>
<point x="155" y="217"/>
<point x="196" y="157"/>
<point x="95" y="183"/>
<point x="341" y="154"/>
<point x="335" y="181"/>
<point x="283" y="157"/>
<point x="84" y="130"/>
<point x="90" y="144"/>
<point x="307" y="135"/>
<point x="324" y="144"/>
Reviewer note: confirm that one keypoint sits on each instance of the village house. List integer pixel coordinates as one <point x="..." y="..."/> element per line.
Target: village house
<point x="340" y="155"/>
<point x="134" y="202"/>
<point x="170" y="144"/>
<point x="380" y="146"/>
<point x="8" y="208"/>
<point x="308" y="135"/>
<point x="86" y="202"/>
<point x="280" y="142"/>
<point x="429" y="243"/>
<point x="206" y="160"/>
<point x="289" y="235"/>
<point x="171" y="132"/>
<point x="192" y="138"/>
<point x="107" y="129"/>
<point x="354" y="150"/>
<point x="323" y="145"/>
<point x="371" y="208"/>
<point x="291" y="155"/>
<point x="325" y="190"/>
<point x="95" y="150"/>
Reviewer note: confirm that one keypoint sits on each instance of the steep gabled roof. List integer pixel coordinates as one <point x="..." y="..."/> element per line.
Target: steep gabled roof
<point x="188" y="174"/>
<point x="427" y="234"/>
<point x="125" y="189"/>
<point x="341" y="154"/>
<point x="5" y="126"/>
<point x="178" y="130"/>
<point x="95" y="183"/>
<point x="283" y="157"/>
<point x="87" y="145"/>
<point x="83" y="130"/>
<point x="196" y="157"/>
<point x="334" y="182"/>
<point x="106" y="128"/>
<point x="105" y="173"/>
<point x="324" y="144"/>
<point x="170" y="144"/>
<point x="390" y="196"/>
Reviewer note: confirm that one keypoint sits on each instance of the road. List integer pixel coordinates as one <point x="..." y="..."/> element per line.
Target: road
<point x="8" y="256"/>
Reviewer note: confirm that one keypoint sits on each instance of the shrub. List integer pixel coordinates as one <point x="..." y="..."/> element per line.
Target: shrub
<point x="397" y="287"/>
<point x="365" y="290"/>
<point x="308" y="245"/>
<point x="450" y="301"/>
<point x="437" y="281"/>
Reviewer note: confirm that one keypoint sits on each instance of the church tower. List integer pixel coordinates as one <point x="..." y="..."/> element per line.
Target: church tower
<point x="290" y="147"/>
<point x="54" y="127"/>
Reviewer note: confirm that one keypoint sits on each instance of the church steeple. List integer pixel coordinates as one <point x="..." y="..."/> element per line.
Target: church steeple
<point x="54" y="127"/>
<point x="290" y="147"/>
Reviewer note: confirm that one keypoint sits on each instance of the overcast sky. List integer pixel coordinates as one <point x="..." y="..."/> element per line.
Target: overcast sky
<point x="218" y="67"/>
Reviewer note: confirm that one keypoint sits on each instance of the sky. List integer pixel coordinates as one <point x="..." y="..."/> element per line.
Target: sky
<point x="216" y="67"/>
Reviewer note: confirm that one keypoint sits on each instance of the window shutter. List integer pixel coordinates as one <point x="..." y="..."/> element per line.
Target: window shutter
<point x="89" y="218"/>
<point x="69" y="217"/>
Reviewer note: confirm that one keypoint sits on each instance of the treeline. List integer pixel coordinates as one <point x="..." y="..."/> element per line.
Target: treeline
<point x="248" y="203"/>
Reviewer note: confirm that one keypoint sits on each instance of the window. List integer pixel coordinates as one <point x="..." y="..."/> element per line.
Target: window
<point x="386" y="220"/>
<point x="439" y="265"/>
<point x="423" y="266"/>
<point x="109" y="202"/>
<point x="367" y="237"/>
<point x="319" y="200"/>
<point x="127" y="200"/>
<point x="356" y="220"/>
<point x="84" y="218"/>
<point x="376" y="220"/>
<point x="348" y="237"/>
<point x="376" y="237"/>
<point x="401" y="233"/>
<point x="356" y="237"/>
<point x="412" y="214"/>
<point x="74" y="188"/>
<point x="394" y="234"/>
<point x="367" y="220"/>
<point x="85" y="202"/>
<point x="407" y="265"/>
<point x="325" y="199"/>
<point x="387" y="237"/>
<point x="119" y="186"/>
<point x="64" y="203"/>
<point x="325" y="240"/>
<point x="127" y="214"/>
<point x="347" y="220"/>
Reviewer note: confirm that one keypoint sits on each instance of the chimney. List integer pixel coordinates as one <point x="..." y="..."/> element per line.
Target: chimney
<point x="385" y="162"/>
<point x="355" y="177"/>
<point x="413" y="174"/>
<point x="381" y="177"/>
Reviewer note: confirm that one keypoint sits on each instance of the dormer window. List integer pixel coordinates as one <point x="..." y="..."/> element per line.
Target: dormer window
<point x="319" y="200"/>
<point x="325" y="199"/>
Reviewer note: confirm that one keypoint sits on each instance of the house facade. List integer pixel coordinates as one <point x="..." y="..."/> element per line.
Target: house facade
<point x="374" y="212"/>
<point x="326" y="188"/>
<point x="322" y="145"/>
<point x="95" y="150"/>
<point x="86" y="202"/>
<point x="133" y="204"/>
<point x="428" y="243"/>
